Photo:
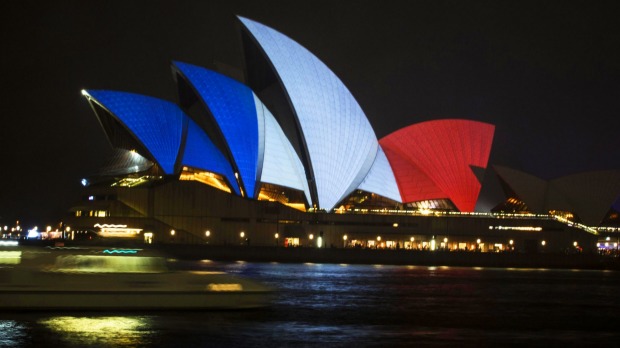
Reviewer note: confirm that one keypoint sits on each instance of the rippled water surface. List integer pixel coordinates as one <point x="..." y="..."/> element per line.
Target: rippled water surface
<point x="364" y="306"/>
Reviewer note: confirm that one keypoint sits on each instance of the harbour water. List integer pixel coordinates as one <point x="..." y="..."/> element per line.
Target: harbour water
<point x="332" y="305"/>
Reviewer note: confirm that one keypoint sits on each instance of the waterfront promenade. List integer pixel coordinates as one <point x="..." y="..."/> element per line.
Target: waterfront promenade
<point x="390" y="257"/>
<point x="232" y="253"/>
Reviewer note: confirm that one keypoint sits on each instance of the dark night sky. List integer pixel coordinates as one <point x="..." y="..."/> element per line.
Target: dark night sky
<point x="546" y="73"/>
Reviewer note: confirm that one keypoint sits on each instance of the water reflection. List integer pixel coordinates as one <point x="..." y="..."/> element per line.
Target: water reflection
<point x="11" y="333"/>
<point x="107" y="331"/>
<point x="321" y="305"/>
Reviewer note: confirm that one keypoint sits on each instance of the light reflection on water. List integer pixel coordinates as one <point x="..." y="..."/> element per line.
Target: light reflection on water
<point x="112" y="331"/>
<point x="360" y="305"/>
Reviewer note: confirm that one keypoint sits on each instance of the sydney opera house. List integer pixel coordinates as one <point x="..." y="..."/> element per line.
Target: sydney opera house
<point x="286" y="156"/>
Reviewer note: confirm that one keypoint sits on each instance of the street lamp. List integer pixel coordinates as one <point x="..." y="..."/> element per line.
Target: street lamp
<point x="344" y="238"/>
<point x="411" y="240"/>
<point x="276" y="236"/>
<point x="207" y="235"/>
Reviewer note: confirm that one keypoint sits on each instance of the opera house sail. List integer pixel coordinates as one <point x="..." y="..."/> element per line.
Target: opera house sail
<point x="285" y="146"/>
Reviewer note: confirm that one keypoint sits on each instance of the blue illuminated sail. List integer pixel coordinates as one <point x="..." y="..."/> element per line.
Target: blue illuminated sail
<point x="200" y="152"/>
<point x="157" y="124"/>
<point x="232" y="106"/>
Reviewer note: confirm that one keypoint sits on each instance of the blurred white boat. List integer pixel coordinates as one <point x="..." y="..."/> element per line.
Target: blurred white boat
<point x="120" y="281"/>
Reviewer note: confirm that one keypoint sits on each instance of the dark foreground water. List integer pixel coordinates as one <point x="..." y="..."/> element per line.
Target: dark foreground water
<point x="325" y="305"/>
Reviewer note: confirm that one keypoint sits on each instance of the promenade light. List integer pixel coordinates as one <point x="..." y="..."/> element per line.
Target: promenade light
<point x="445" y="240"/>
<point x="207" y="233"/>
<point x="276" y="236"/>
<point x="173" y="232"/>
<point x="575" y="244"/>
<point x="478" y="241"/>
<point x="345" y="237"/>
<point x="511" y="242"/>
<point x="311" y="236"/>
<point x="242" y="234"/>
<point x="543" y="243"/>
<point x="378" y="238"/>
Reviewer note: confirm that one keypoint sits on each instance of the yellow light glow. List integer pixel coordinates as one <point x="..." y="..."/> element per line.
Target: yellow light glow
<point x="10" y="257"/>
<point x="224" y="287"/>
<point x="101" y="331"/>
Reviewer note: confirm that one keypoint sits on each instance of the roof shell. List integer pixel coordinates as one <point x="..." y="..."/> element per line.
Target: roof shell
<point x="200" y="152"/>
<point x="339" y="140"/>
<point x="590" y="195"/>
<point x="233" y="107"/>
<point x="437" y="156"/>
<point x="380" y="179"/>
<point x="281" y="165"/>
<point x="155" y="123"/>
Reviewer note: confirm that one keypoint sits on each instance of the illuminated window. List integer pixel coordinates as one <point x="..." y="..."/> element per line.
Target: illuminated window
<point x="207" y="178"/>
